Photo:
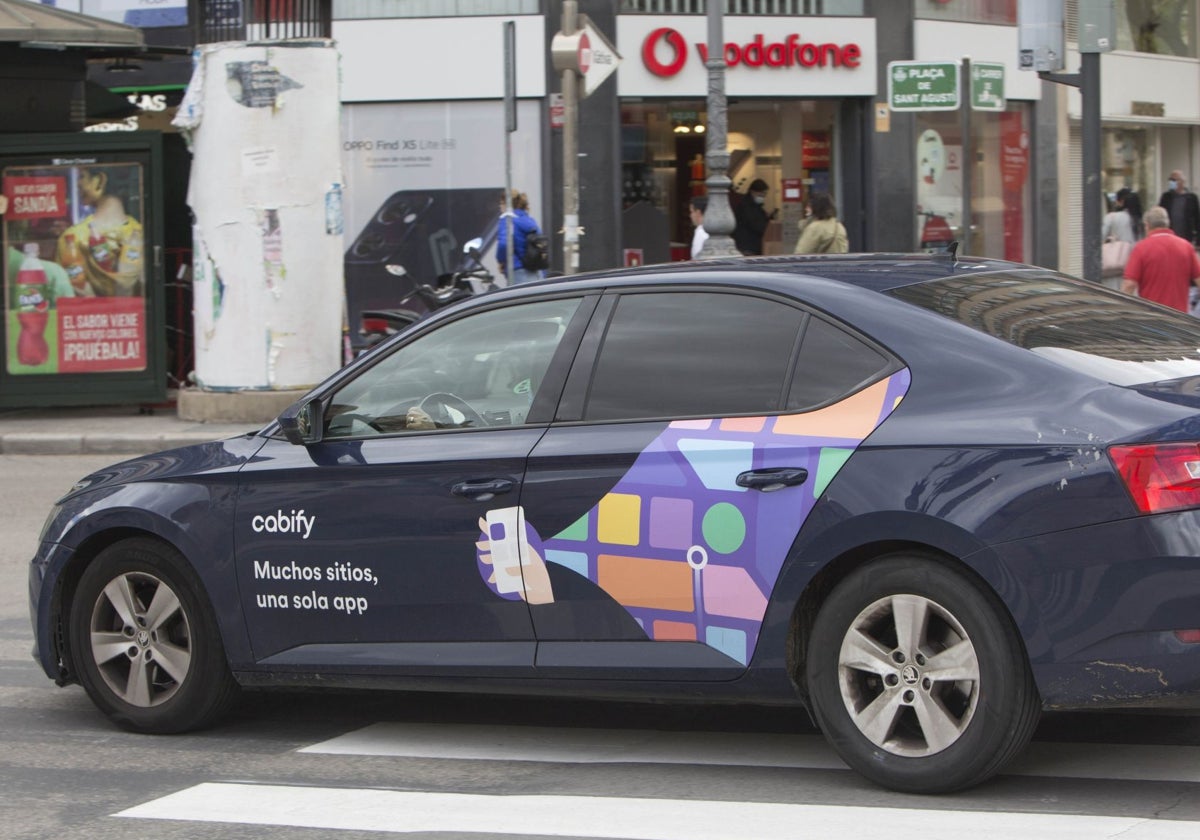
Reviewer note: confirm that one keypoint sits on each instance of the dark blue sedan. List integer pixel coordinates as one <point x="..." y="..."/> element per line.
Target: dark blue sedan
<point x="923" y="498"/>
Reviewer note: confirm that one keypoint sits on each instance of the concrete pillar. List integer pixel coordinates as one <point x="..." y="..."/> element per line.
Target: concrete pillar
<point x="263" y="124"/>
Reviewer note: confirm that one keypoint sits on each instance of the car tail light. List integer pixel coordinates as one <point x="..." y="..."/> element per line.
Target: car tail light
<point x="1191" y="637"/>
<point x="373" y="325"/>
<point x="1160" y="476"/>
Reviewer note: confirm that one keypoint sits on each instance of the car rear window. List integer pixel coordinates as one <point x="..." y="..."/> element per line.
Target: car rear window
<point x="1085" y="327"/>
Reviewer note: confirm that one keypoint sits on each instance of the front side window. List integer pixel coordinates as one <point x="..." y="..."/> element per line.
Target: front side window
<point x="483" y="370"/>
<point x="693" y="354"/>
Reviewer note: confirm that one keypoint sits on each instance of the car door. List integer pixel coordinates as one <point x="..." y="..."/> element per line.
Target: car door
<point x="358" y="552"/>
<point x="667" y="494"/>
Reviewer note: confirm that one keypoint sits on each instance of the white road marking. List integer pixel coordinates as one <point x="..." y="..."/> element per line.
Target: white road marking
<point x="622" y="818"/>
<point x="582" y="746"/>
<point x="479" y="742"/>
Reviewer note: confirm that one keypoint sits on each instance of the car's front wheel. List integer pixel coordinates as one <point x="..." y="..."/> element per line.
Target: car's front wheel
<point x="144" y="642"/>
<point x="917" y="678"/>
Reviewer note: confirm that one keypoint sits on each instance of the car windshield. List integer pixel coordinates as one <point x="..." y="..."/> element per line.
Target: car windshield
<point x="1085" y="327"/>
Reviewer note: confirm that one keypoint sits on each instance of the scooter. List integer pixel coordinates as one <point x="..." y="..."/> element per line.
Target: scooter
<point x="375" y="325"/>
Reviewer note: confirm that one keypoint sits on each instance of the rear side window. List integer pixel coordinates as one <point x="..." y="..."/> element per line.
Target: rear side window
<point x="1080" y="325"/>
<point x="832" y="364"/>
<point x="693" y="354"/>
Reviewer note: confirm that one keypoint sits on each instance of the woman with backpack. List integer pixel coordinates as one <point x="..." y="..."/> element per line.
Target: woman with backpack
<point x="529" y="246"/>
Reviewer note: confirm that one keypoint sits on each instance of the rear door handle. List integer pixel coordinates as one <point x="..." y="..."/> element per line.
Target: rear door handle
<point x="484" y="489"/>
<point x="775" y="478"/>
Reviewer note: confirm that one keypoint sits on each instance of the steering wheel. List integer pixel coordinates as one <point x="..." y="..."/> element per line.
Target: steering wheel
<point x="436" y="405"/>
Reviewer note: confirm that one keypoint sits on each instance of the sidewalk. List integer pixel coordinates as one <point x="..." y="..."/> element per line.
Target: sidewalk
<point x="106" y="430"/>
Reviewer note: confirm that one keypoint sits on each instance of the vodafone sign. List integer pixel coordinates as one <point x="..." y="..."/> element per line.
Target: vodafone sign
<point x="790" y="52"/>
<point x="764" y="56"/>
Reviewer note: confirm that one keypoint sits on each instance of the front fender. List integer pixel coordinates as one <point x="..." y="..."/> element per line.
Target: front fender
<point x="184" y="497"/>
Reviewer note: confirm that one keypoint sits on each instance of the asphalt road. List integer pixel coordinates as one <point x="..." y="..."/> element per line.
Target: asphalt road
<point x="346" y="766"/>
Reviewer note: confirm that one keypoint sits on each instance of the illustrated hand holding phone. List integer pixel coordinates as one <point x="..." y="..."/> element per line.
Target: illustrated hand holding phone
<point x="516" y="565"/>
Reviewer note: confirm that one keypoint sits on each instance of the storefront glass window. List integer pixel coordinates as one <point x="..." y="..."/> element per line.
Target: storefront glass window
<point x="1162" y="27"/>
<point x="1000" y="188"/>
<point x="1129" y="161"/>
<point x="968" y="11"/>
<point x="789" y="145"/>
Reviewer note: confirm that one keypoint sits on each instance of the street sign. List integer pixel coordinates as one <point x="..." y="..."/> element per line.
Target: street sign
<point x="923" y="85"/>
<point x="586" y="53"/>
<point x="987" y="86"/>
<point x="598" y="59"/>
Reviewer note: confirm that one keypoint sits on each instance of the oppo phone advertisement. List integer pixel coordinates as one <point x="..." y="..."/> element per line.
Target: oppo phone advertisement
<point x="422" y="181"/>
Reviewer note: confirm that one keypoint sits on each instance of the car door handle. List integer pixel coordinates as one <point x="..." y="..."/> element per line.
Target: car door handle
<point x="772" y="479"/>
<point x="483" y="490"/>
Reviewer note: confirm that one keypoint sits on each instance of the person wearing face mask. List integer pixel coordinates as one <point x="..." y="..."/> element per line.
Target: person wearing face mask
<point x="751" y="219"/>
<point x="1182" y="207"/>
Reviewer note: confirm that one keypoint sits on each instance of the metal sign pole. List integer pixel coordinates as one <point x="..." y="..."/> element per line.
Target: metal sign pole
<point x="570" y="91"/>
<point x="510" y="125"/>
<point x="967" y="153"/>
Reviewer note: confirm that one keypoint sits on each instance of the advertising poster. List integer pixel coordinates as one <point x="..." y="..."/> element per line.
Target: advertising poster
<point x="75" y="269"/>
<point x="424" y="180"/>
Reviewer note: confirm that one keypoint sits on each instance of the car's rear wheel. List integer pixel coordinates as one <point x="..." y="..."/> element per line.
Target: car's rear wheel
<point x="917" y="677"/>
<point x="144" y="642"/>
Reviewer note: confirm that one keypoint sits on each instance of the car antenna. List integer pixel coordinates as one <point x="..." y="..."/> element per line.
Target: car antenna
<point x="951" y="252"/>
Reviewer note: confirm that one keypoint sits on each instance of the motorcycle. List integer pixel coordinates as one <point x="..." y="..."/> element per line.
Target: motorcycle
<point x="375" y="325"/>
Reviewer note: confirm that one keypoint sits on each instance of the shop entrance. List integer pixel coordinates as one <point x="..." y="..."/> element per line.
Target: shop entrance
<point x="788" y="145"/>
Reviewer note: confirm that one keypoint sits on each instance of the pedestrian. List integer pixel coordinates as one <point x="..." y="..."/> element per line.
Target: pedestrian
<point x="751" y="219"/>
<point x="523" y="227"/>
<point x="1122" y="228"/>
<point x="1163" y="266"/>
<point x="698" y="205"/>
<point x="1123" y="223"/>
<point x="820" y="231"/>
<point x="1182" y="207"/>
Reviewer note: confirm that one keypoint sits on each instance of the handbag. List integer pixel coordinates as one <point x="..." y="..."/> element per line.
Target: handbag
<point x="1113" y="255"/>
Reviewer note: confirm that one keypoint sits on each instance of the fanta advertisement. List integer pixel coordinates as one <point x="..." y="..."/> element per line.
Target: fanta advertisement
<point x="664" y="53"/>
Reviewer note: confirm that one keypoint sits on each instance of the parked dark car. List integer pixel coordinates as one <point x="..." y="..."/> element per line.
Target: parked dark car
<point x="924" y="498"/>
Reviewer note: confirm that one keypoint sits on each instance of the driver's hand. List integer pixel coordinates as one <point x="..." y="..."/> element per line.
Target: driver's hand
<point x="417" y="420"/>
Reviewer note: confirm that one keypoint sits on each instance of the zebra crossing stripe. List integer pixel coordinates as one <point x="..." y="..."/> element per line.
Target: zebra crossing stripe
<point x="476" y="742"/>
<point x="618" y="818"/>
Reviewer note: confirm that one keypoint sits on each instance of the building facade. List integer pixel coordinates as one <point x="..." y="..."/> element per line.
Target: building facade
<point x="808" y="111"/>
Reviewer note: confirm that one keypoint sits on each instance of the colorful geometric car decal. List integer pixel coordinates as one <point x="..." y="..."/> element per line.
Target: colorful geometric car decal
<point x="687" y="552"/>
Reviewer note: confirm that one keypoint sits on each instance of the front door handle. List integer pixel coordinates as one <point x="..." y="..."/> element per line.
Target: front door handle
<point x="483" y="490"/>
<point x="775" y="478"/>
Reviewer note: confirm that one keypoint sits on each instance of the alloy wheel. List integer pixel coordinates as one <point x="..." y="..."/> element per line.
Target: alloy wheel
<point x="140" y="639"/>
<point x="909" y="675"/>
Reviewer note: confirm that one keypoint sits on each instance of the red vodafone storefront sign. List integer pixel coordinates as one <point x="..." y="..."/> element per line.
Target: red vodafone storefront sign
<point x="789" y="57"/>
<point x="791" y="51"/>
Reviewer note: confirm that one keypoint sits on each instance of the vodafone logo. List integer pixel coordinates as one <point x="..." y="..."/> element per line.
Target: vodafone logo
<point x="672" y="42"/>
<point x="664" y="53"/>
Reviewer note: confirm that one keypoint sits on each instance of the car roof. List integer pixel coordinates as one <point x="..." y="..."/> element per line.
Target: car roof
<point x="874" y="272"/>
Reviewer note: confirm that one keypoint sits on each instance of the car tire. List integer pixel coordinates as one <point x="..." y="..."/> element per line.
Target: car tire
<point x="917" y="676"/>
<point x="144" y="641"/>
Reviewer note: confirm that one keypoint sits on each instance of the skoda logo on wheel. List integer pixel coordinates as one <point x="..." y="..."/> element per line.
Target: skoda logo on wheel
<point x="910" y="675"/>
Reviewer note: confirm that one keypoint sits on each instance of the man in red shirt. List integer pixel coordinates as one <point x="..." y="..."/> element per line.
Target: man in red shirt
<point x="1163" y="266"/>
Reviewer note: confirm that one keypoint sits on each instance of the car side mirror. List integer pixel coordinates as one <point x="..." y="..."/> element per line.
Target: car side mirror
<point x="303" y="423"/>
